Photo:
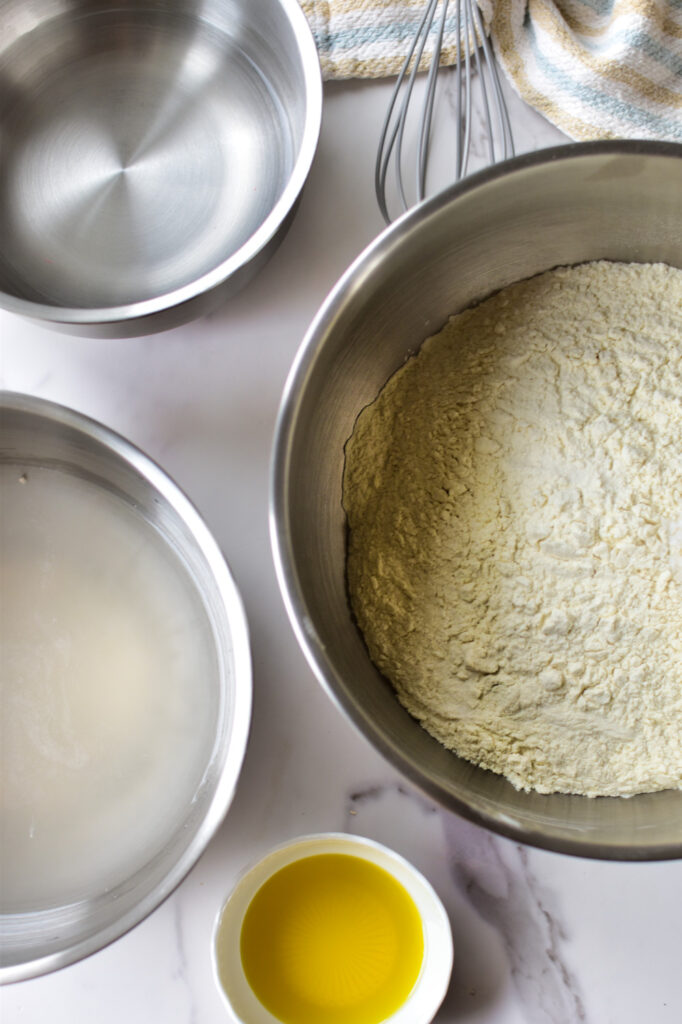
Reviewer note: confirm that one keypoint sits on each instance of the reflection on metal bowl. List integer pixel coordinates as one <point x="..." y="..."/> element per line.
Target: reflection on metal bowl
<point x="153" y="154"/>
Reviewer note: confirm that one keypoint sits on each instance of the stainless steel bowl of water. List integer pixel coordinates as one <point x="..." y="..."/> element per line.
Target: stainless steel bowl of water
<point x="126" y="686"/>
<point x="153" y="152"/>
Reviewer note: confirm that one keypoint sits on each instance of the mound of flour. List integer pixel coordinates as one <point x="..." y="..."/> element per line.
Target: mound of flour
<point x="514" y="501"/>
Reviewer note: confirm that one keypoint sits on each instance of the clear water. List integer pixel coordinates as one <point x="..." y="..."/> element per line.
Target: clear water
<point x="107" y="676"/>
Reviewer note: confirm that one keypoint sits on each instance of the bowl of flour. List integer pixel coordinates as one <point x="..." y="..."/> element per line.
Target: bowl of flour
<point x="477" y="498"/>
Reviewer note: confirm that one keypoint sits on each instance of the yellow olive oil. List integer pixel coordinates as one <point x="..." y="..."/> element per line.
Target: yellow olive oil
<point x="332" y="939"/>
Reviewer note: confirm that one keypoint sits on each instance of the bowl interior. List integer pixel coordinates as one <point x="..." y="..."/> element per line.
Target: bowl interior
<point x="578" y="203"/>
<point x="144" y="144"/>
<point x="37" y="434"/>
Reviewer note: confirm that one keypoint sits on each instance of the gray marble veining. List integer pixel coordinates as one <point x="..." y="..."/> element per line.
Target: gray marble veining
<point x="498" y="881"/>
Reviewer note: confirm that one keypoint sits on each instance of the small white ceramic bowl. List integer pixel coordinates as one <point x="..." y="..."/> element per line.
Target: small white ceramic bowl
<point x="431" y="985"/>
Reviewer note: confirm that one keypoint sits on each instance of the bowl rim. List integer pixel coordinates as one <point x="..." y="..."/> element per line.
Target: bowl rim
<point x="219" y="804"/>
<point x="258" y="241"/>
<point x="433" y="981"/>
<point x="279" y="518"/>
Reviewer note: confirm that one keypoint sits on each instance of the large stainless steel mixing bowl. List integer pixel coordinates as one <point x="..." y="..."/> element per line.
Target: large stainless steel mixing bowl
<point x="152" y="154"/>
<point x="34" y="432"/>
<point x="616" y="201"/>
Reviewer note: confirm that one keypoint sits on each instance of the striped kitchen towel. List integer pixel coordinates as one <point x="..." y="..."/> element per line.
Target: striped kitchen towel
<point x="594" y="68"/>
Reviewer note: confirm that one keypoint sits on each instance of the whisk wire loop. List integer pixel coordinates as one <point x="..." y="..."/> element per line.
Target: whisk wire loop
<point x="474" y="58"/>
<point x="425" y="132"/>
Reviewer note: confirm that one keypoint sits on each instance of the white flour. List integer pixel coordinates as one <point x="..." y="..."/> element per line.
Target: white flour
<point x="514" y="499"/>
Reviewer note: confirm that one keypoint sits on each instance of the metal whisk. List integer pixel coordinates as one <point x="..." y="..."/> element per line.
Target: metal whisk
<point x="473" y="54"/>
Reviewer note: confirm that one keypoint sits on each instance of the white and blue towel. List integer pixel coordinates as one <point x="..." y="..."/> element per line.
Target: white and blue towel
<point x="595" y="68"/>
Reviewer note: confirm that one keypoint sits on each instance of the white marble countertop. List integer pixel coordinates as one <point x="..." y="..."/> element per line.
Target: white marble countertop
<point x="539" y="938"/>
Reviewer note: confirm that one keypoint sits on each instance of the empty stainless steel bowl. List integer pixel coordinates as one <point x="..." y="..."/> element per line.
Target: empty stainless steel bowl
<point x="35" y="939"/>
<point x="152" y="154"/>
<point x="616" y="201"/>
